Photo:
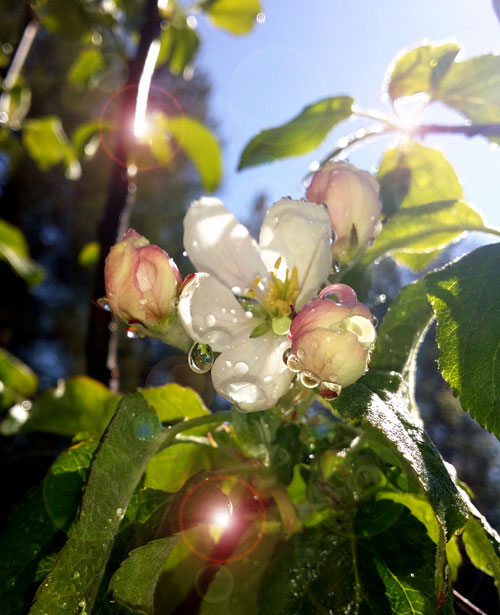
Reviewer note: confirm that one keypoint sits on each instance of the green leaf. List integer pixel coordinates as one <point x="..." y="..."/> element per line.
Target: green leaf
<point x="171" y="467"/>
<point x="416" y="235"/>
<point x="73" y="18"/>
<point x="85" y="138"/>
<point x="17" y="381"/>
<point x="89" y="254"/>
<point x="47" y="143"/>
<point x="401" y="330"/>
<point x="63" y="484"/>
<point x="78" y="405"/>
<point x="133" y="585"/>
<point x="173" y="402"/>
<point x="200" y="146"/>
<point x="483" y="550"/>
<point x="321" y="571"/>
<point x="235" y="16"/>
<point x="472" y="87"/>
<point x="380" y="404"/>
<point x="14" y="250"/>
<point x="115" y="472"/>
<point x="299" y="136"/>
<point x="465" y="300"/>
<point x="178" y="45"/>
<point x="421" y="69"/>
<point x="413" y="175"/>
<point x="28" y="538"/>
<point x="88" y="63"/>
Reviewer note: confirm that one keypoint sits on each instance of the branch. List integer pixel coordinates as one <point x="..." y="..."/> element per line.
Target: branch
<point x="468" y="130"/>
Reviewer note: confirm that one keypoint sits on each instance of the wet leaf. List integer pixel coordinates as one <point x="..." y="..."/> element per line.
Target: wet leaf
<point x="14" y="250"/>
<point x="88" y="63"/>
<point x="415" y="236"/>
<point x="472" y="87"/>
<point x="89" y="254"/>
<point x="133" y="585"/>
<point x="63" y="484"/>
<point x="401" y="331"/>
<point x="380" y="404"/>
<point x="28" y="538"/>
<point x="235" y="16"/>
<point x="173" y="402"/>
<point x="421" y="69"/>
<point x="299" y="136"/>
<point x="113" y="477"/>
<point x="466" y="305"/>
<point x="79" y="404"/>
<point x="178" y="45"/>
<point x="17" y="380"/>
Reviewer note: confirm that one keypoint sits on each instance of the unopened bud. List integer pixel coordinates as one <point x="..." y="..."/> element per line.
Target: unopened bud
<point x="353" y="203"/>
<point x="141" y="281"/>
<point x="333" y="336"/>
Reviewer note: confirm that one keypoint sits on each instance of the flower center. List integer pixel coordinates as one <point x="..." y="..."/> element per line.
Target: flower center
<point x="279" y="299"/>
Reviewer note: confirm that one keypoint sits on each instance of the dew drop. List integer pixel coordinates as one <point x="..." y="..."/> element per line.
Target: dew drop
<point x="228" y="364"/>
<point x="210" y="320"/>
<point x="241" y="368"/>
<point x="374" y="321"/>
<point x="146" y="427"/>
<point x="200" y="358"/>
<point x="293" y="363"/>
<point x="329" y="390"/>
<point x="132" y="333"/>
<point x="309" y="379"/>
<point x="301" y="354"/>
<point x="223" y="310"/>
<point x="175" y="302"/>
<point x="104" y="304"/>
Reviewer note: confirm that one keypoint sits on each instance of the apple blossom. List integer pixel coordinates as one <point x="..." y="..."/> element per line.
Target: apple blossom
<point x="141" y="281"/>
<point x="354" y="206"/>
<point x="332" y="339"/>
<point x="242" y="301"/>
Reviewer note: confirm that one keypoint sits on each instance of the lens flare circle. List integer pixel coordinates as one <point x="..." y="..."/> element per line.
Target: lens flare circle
<point x="102" y="125"/>
<point x="255" y="496"/>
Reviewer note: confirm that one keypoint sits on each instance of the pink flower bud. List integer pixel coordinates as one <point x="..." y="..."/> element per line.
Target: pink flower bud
<point x="332" y="338"/>
<point x="141" y="280"/>
<point x="353" y="203"/>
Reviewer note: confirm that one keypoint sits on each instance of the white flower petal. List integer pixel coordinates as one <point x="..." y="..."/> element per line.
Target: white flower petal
<point x="216" y="243"/>
<point x="210" y="313"/>
<point x="300" y="233"/>
<point x="252" y="374"/>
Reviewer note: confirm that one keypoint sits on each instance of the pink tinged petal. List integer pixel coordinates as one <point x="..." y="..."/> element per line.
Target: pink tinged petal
<point x="210" y="313"/>
<point x="253" y="375"/>
<point x="334" y="356"/>
<point x="300" y="233"/>
<point x="345" y="294"/>
<point x="156" y="281"/>
<point x="217" y="244"/>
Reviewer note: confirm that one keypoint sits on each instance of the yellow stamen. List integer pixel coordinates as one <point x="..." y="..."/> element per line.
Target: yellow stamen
<point x="277" y="263"/>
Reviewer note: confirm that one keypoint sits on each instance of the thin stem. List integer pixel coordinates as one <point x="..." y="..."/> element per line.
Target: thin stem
<point x="206" y="419"/>
<point x="373" y="114"/>
<point x="468" y="130"/>
<point x="291" y="524"/>
<point x="467" y="605"/>
<point x="18" y="61"/>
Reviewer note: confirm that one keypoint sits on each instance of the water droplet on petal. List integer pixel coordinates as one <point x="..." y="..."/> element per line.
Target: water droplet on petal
<point x="103" y="303"/>
<point x="335" y="268"/>
<point x="301" y="353"/>
<point x="309" y="379"/>
<point x="293" y="363"/>
<point x="210" y="320"/>
<point x="175" y="302"/>
<point x="133" y="333"/>
<point x="241" y="368"/>
<point x="329" y="390"/>
<point x="200" y="358"/>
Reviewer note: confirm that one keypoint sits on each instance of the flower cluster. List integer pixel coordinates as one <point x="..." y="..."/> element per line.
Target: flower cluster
<point x="261" y="314"/>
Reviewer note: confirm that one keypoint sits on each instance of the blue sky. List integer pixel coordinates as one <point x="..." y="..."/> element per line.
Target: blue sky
<point x="309" y="49"/>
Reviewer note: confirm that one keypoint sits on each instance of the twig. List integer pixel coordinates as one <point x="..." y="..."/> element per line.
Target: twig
<point x="467" y="605"/>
